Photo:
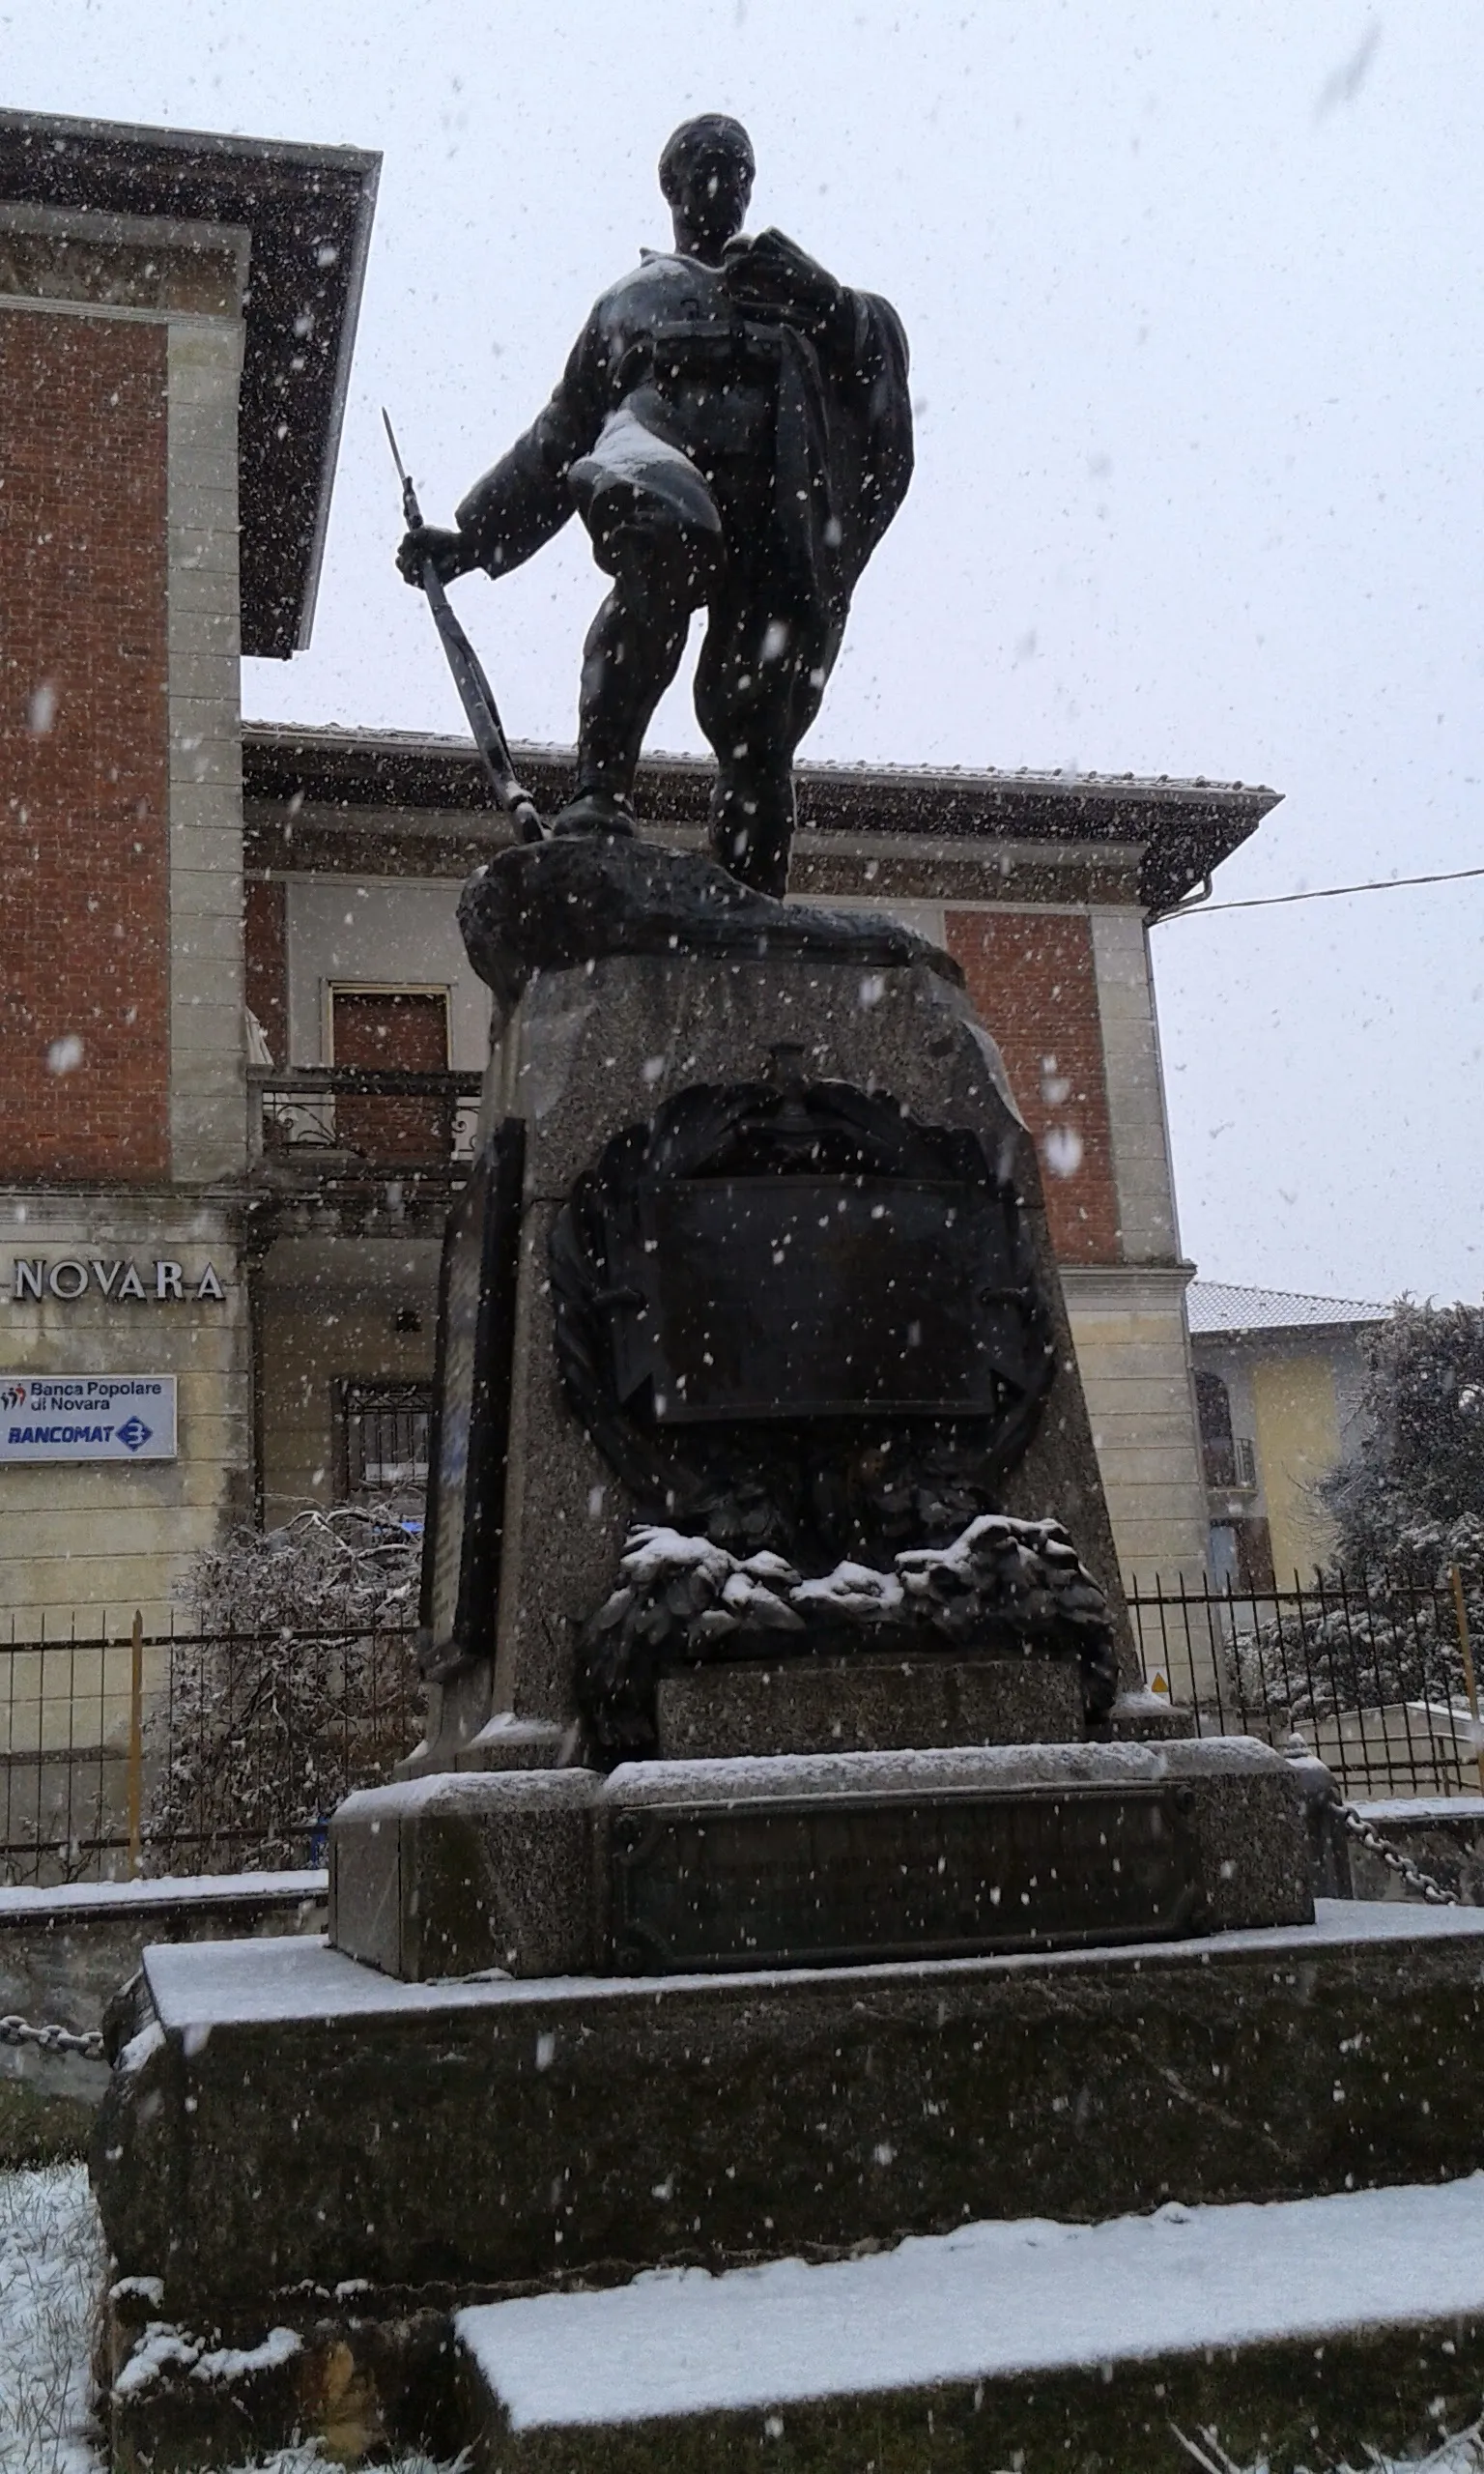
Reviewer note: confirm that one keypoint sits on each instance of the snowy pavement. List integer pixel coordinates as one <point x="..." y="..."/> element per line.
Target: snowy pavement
<point x="51" y="2275"/>
<point x="51" y="2271"/>
<point x="986" y="2301"/>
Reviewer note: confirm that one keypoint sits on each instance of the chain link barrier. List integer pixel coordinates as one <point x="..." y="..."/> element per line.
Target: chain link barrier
<point x="1370" y="1837"/>
<point x="87" y="2044"/>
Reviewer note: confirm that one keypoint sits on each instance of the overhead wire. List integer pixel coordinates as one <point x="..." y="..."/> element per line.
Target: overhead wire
<point x="1318" y="893"/>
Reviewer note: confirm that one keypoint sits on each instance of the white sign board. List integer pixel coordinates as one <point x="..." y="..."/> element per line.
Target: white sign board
<point x="87" y="1417"/>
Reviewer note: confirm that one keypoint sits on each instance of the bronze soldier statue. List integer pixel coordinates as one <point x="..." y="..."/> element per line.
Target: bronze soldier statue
<point x="734" y="429"/>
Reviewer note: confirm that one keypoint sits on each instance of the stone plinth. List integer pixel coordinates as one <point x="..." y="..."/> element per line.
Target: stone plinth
<point x="592" y="1048"/>
<point x="450" y="1875"/>
<point x="870" y="1939"/>
<point x="824" y="1857"/>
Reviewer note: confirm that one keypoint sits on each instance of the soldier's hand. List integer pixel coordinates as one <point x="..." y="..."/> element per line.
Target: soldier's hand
<point x="769" y="271"/>
<point x="448" y="552"/>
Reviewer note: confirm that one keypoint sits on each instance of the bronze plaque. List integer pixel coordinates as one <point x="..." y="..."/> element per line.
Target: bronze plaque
<point x="846" y="1880"/>
<point x="802" y="1297"/>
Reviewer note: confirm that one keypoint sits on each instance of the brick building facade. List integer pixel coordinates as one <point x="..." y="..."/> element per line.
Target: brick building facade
<point x="244" y="1041"/>
<point x="176" y="320"/>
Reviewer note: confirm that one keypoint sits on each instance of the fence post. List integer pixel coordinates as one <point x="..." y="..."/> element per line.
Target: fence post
<point x="135" y="1744"/>
<point x="1461" y="1610"/>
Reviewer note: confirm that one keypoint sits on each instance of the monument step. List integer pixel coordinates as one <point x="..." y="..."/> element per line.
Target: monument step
<point x="828" y="1857"/>
<point x="1321" y="2327"/>
<point x="290" y="2115"/>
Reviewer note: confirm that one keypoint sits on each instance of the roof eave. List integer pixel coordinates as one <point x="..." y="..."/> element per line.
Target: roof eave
<point x="1186" y="828"/>
<point x="355" y="281"/>
<point x="293" y="399"/>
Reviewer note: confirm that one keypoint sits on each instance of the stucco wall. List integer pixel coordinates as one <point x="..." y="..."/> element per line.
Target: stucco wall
<point x="329" y="1311"/>
<point x="378" y="931"/>
<point x="1129" y="1334"/>
<point x="1298" y="1441"/>
<point x="105" y="1537"/>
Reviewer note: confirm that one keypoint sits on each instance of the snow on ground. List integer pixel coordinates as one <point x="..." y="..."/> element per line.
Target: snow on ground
<point x="310" y="2460"/>
<point x="989" y="2300"/>
<point x="1463" y="2454"/>
<point x="51" y="2279"/>
<point x="51" y="2271"/>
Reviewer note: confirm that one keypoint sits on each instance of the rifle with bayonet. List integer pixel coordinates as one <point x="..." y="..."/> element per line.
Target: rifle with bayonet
<point x="475" y="694"/>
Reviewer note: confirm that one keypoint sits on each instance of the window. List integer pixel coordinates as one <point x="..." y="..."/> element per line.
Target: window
<point x="1213" y="1407"/>
<point x="383" y="1436"/>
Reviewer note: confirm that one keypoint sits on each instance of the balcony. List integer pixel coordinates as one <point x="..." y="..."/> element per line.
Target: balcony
<point x="313" y="1126"/>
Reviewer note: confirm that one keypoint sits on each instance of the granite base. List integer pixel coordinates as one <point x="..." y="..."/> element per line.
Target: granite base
<point x="288" y="2115"/>
<point x="866" y="1704"/>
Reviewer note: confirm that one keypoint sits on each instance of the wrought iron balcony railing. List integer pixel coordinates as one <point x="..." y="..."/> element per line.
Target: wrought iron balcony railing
<point x="358" y="1119"/>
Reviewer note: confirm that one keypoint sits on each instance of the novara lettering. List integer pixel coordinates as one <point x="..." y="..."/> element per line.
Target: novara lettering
<point x="68" y="1278"/>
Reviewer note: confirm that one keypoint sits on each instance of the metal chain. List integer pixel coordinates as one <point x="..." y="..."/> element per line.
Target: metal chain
<point x="1430" y="1890"/>
<point x="15" y="2030"/>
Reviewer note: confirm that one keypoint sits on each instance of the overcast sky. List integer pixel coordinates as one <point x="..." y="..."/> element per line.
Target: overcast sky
<point x="1198" y="343"/>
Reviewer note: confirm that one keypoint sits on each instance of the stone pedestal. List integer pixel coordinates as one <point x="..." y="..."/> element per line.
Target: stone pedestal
<point x="593" y="1048"/>
<point x="319" y="2166"/>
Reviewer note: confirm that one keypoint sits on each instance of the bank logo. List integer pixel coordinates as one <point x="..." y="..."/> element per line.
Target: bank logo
<point x="133" y="1432"/>
<point x="13" y="1396"/>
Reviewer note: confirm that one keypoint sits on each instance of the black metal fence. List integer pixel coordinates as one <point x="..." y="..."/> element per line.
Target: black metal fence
<point x="191" y="1751"/>
<point x="1373" y="1674"/>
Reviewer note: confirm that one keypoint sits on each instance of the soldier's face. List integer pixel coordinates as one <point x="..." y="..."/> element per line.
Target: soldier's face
<point x="711" y="192"/>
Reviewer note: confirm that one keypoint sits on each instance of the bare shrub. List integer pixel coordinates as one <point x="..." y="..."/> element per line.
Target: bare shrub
<point x="298" y="1682"/>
